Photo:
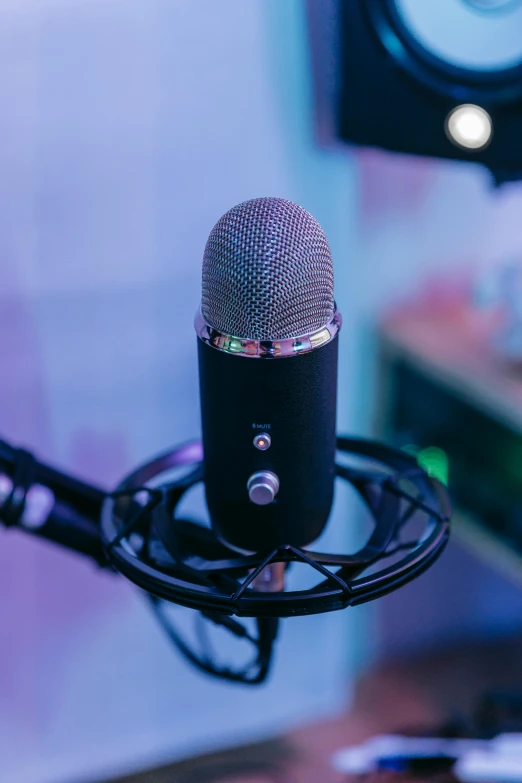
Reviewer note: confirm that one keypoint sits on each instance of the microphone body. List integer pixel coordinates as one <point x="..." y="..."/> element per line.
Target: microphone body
<point x="289" y="402"/>
<point x="267" y="354"/>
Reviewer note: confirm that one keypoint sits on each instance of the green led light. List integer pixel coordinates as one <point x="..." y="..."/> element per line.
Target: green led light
<point x="432" y="459"/>
<point x="234" y="346"/>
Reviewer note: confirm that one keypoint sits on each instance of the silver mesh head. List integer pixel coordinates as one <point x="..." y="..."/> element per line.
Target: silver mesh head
<point x="267" y="272"/>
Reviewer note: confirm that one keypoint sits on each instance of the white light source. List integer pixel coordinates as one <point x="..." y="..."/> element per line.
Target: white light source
<point x="469" y="126"/>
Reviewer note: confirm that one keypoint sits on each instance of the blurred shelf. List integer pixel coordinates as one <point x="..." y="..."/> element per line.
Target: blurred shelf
<point x="443" y="385"/>
<point x="453" y="347"/>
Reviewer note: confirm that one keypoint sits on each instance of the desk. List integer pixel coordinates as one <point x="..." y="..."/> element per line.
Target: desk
<point x="423" y="692"/>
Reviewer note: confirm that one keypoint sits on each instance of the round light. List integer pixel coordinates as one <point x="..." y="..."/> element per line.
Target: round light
<point x="469" y="126"/>
<point x="262" y="441"/>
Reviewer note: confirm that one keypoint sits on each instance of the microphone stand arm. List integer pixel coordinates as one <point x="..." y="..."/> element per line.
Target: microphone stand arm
<point x="49" y="504"/>
<point x="42" y="501"/>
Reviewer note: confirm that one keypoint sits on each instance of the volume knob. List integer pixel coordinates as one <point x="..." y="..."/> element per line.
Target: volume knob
<point x="262" y="487"/>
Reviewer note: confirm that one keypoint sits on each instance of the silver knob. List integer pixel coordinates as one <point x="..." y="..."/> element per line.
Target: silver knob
<point x="262" y="487"/>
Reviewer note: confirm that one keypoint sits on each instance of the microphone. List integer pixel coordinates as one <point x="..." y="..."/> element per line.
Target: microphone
<point x="267" y="349"/>
<point x="267" y="352"/>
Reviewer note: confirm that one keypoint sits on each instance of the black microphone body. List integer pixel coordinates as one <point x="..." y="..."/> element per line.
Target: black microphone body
<point x="267" y="352"/>
<point x="293" y="401"/>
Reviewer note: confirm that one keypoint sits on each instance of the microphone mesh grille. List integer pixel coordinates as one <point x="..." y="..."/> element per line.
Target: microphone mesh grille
<point x="267" y="272"/>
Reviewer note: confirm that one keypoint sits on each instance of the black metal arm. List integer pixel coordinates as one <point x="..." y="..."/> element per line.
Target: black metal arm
<point x="43" y="502"/>
<point x="49" y="504"/>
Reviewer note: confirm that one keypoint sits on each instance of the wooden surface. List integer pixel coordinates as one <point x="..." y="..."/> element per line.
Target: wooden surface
<point x="455" y="347"/>
<point x="417" y="695"/>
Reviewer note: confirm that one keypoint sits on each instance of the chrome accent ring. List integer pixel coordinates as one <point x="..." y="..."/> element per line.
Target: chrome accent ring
<point x="266" y="349"/>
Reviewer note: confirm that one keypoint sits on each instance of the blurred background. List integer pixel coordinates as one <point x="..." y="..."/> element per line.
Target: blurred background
<point x="128" y="127"/>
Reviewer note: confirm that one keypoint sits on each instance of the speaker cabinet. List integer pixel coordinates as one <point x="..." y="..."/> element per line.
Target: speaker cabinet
<point x="389" y="74"/>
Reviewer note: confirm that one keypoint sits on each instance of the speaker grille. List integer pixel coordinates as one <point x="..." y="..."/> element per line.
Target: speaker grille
<point x="267" y="272"/>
